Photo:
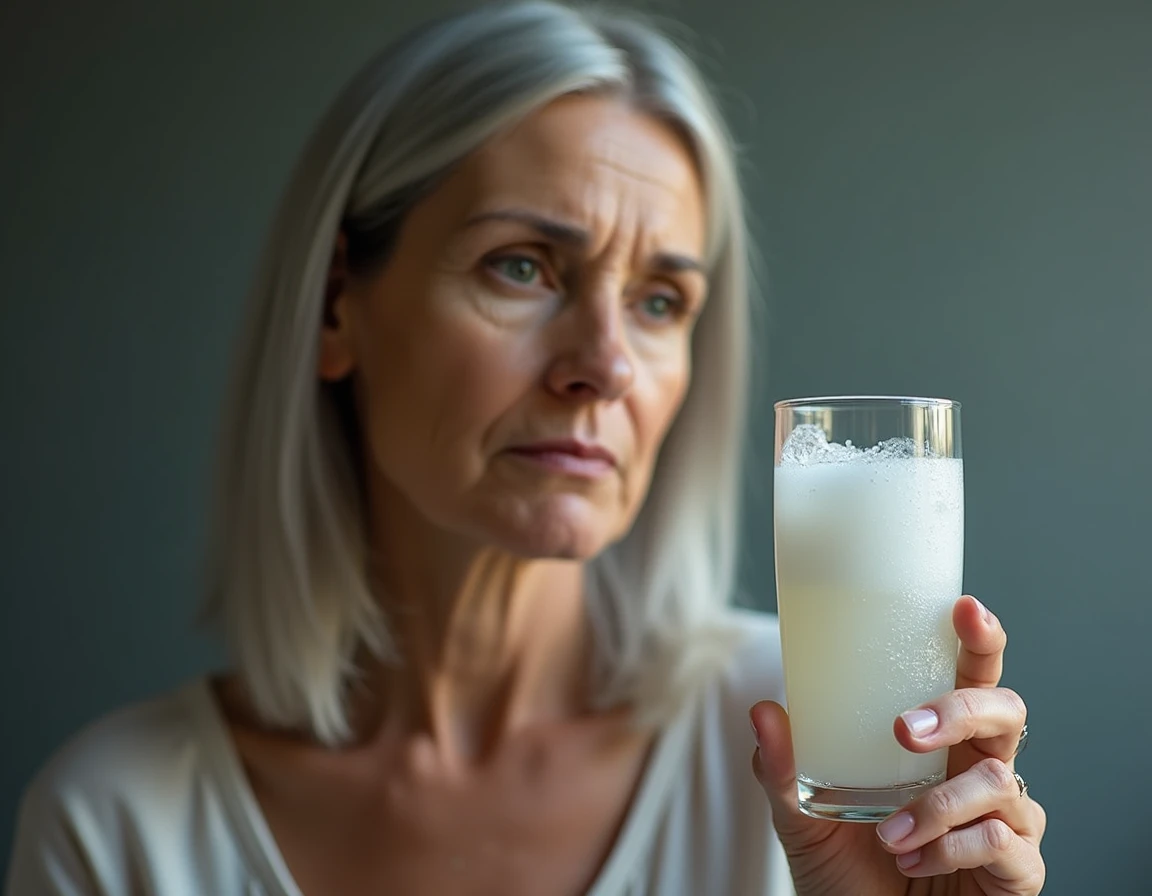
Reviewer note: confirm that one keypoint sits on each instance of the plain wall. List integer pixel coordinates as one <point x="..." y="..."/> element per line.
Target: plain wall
<point x="951" y="199"/>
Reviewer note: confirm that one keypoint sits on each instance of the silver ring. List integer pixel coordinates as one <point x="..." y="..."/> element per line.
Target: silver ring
<point x="1022" y="742"/>
<point x="1021" y="783"/>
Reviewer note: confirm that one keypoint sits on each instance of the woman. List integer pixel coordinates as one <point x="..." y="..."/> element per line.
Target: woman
<point x="477" y="528"/>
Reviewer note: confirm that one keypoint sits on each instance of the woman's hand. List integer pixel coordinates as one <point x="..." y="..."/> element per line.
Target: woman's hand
<point x="973" y="835"/>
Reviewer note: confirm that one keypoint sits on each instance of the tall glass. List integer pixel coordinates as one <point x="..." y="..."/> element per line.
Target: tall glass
<point x="869" y="521"/>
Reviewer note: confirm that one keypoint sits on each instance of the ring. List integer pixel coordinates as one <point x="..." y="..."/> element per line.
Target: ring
<point x="1021" y="783"/>
<point x="1022" y="742"/>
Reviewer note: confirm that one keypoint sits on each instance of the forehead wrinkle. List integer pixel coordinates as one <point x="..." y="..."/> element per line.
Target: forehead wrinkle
<point x="604" y="184"/>
<point x="627" y="230"/>
<point x="633" y="174"/>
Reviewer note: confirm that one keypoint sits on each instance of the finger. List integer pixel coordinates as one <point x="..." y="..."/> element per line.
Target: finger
<point x="990" y="719"/>
<point x="988" y="789"/>
<point x="982" y="641"/>
<point x="1008" y="864"/>
<point x="775" y="769"/>
<point x="1041" y="822"/>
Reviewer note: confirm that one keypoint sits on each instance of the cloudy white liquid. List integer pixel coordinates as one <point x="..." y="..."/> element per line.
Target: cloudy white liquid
<point x="869" y="558"/>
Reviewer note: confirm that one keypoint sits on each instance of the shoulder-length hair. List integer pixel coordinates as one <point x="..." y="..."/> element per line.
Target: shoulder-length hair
<point x="288" y="582"/>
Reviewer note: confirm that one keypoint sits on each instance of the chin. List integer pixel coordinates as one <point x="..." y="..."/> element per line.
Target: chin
<point x="560" y="543"/>
<point x="554" y="534"/>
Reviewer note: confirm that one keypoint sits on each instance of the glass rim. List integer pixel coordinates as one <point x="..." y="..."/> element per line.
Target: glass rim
<point x="840" y="400"/>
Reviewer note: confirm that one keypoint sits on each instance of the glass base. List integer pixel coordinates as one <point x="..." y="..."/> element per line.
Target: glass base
<point x="864" y="804"/>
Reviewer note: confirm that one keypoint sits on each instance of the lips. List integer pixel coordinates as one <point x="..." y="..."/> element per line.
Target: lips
<point x="568" y="456"/>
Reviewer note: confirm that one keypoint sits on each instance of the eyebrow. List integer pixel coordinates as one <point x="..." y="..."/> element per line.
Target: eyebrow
<point x="578" y="237"/>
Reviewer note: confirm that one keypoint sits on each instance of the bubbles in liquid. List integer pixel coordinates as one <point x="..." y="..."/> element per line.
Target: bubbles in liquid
<point x="868" y="566"/>
<point x="808" y="444"/>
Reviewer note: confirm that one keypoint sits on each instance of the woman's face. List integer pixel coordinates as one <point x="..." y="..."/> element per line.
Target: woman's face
<point x="522" y="354"/>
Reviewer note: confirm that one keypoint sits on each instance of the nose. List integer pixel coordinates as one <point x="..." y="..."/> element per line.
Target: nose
<point x="594" y="361"/>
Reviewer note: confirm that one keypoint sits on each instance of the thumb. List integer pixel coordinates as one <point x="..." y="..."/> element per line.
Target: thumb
<point x="775" y="769"/>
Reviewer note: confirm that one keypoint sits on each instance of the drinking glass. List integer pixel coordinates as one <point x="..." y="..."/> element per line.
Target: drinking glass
<point x="869" y="532"/>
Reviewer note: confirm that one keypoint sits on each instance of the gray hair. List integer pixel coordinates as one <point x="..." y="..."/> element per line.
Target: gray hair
<point x="288" y="567"/>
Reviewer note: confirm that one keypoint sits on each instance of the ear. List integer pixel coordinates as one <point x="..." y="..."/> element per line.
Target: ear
<point x="336" y="357"/>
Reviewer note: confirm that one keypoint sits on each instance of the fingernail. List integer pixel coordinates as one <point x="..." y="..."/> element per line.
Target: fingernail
<point x="921" y="722"/>
<point x="895" y="828"/>
<point x="985" y="613"/>
<point x="908" y="860"/>
<point x="755" y="734"/>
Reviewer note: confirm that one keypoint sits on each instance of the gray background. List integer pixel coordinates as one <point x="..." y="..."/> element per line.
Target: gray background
<point x="951" y="198"/>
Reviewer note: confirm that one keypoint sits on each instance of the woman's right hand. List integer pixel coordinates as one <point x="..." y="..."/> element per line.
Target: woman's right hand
<point x="976" y="834"/>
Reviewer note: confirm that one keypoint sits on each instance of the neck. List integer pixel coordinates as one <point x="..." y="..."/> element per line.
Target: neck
<point x="490" y="644"/>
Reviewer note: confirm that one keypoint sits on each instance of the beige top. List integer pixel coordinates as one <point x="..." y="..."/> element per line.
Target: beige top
<point x="152" y="801"/>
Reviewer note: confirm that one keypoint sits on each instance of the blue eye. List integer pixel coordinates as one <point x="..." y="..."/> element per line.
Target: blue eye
<point x="517" y="268"/>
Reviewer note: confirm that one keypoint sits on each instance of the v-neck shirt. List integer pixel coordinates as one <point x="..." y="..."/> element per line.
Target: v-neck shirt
<point x="153" y="800"/>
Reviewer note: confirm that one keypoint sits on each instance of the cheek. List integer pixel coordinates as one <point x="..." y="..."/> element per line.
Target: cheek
<point x="487" y="373"/>
<point x="654" y="407"/>
<point x="432" y="395"/>
<point x="668" y="386"/>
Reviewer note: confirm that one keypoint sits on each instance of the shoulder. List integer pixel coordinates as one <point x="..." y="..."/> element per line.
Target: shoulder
<point x="755" y="669"/>
<point x="125" y="751"/>
<point x="728" y="843"/>
<point x="113" y="788"/>
<point x="742" y="665"/>
<point x="751" y="671"/>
